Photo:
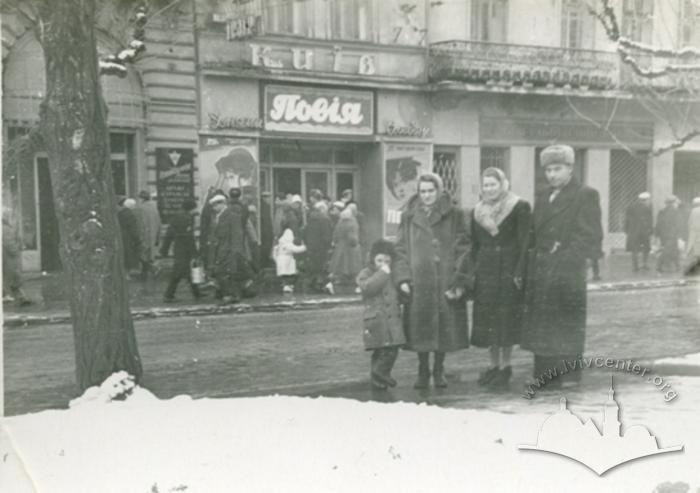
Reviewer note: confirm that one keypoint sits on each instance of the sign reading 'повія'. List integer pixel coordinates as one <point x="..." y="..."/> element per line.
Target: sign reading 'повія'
<point x="316" y="110"/>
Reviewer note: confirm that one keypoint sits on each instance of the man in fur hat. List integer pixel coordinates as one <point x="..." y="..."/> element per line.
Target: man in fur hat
<point x="566" y="231"/>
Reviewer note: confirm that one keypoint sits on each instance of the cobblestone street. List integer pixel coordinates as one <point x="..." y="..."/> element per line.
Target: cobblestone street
<point x="320" y="353"/>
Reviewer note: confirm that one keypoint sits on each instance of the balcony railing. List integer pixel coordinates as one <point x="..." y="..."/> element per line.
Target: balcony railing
<point x="510" y="64"/>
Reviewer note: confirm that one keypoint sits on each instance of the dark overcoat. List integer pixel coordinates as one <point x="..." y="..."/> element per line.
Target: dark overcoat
<point x="180" y="234"/>
<point x="346" y="259"/>
<point x="318" y="236"/>
<point x="227" y="243"/>
<point x="429" y="250"/>
<point x="497" y="260"/>
<point x="565" y="233"/>
<point x="639" y="226"/>
<point x="131" y="237"/>
<point x="669" y="227"/>
<point x="382" y="322"/>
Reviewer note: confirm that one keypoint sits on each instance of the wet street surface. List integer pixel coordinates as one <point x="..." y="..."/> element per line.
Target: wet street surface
<point x="319" y="353"/>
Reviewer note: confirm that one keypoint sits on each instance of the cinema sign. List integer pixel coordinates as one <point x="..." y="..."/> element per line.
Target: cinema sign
<point x="318" y="110"/>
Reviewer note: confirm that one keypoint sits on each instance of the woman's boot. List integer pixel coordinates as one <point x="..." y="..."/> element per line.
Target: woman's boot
<point x="423" y="371"/>
<point x="439" y="371"/>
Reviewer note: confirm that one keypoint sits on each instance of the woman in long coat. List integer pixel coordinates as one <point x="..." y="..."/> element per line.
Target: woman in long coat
<point x="432" y="241"/>
<point x="131" y="235"/>
<point x="346" y="260"/>
<point x="318" y="236"/>
<point x="500" y="229"/>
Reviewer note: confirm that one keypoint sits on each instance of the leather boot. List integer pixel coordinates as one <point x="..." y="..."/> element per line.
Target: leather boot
<point x="439" y="371"/>
<point x="423" y="379"/>
<point x="385" y="364"/>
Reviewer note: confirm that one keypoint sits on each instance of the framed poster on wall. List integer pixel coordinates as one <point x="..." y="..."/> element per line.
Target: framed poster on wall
<point x="174" y="179"/>
<point x="403" y="164"/>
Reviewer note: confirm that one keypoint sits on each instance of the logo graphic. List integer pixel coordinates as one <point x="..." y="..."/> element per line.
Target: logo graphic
<point x="565" y="434"/>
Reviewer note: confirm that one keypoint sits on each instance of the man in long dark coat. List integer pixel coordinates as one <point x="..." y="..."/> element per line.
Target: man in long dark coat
<point x="639" y="226"/>
<point x="566" y="232"/>
<point x="226" y="257"/>
<point x="180" y="233"/>
<point x="669" y="229"/>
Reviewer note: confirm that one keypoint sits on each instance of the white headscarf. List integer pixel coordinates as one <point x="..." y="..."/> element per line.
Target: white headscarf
<point x="490" y="214"/>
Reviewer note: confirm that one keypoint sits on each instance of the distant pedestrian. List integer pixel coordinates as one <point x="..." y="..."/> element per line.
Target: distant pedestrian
<point x="267" y="237"/>
<point x="131" y="234"/>
<point x="318" y="238"/>
<point x="639" y="227"/>
<point x="383" y="329"/>
<point x="284" y="253"/>
<point x="346" y="259"/>
<point x="500" y="229"/>
<point x="11" y="262"/>
<point x="206" y="217"/>
<point x="566" y="231"/>
<point x="669" y="229"/>
<point x="693" y="248"/>
<point x="151" y="224"/>
<point x="180" y="233"/>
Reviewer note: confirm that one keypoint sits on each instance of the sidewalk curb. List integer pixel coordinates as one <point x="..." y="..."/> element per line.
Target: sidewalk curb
<point x="19" y="320"/>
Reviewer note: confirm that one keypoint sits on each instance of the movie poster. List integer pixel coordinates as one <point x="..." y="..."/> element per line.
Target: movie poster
<point x="226" y="163"/>
<point x="174" y="179"/>
<point x="403" y="164"/>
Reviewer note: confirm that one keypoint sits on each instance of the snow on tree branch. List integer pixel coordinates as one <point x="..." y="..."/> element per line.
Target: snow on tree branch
<point x="116" y="64"/>
<point x="677" y="143"/>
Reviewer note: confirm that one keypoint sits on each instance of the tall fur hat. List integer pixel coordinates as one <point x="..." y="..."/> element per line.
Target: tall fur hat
<point x="381" y="247"/>
<point x="557" y="154"/>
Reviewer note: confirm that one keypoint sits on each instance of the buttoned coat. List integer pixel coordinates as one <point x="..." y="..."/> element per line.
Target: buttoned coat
<point x="497" y="260"/>
<point x="566" y="232"/>
<point x="429" y="250"/>
<point x="226" y="243"/>
<point x="180" y="234"/>
<point x="382" y="324"/>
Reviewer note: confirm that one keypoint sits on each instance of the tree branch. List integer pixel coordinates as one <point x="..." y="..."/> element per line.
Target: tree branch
<point x="116" y="64"/>
<point x="680" y="142"/>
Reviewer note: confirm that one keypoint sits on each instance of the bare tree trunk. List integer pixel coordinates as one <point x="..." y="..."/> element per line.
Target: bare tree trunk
<point x="74" y="127"/>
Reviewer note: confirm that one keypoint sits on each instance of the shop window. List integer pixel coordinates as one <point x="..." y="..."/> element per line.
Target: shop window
<point x="288" y="16"/>
<point x="495" y="157"/>
<point x="541" y="182"/>
<point x="490" y="20"/>
<point x="352" y="19"/>
<point x="628" y="178"/>
<point x="637" y="20"/>
<point x="445" y="165"/>
<point x="344" y="180"/>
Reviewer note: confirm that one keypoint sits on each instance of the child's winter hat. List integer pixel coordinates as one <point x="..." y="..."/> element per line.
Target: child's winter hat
<point x="381" y="247"/>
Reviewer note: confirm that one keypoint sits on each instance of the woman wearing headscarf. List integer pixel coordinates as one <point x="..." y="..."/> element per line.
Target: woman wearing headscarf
<point x="499" y="232"/>
<point x="432" y="242"/>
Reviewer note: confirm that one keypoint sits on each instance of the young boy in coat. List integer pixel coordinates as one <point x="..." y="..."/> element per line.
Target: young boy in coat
<point x="383" y="328"/>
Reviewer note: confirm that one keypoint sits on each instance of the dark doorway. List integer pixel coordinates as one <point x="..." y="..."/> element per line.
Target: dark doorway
<point x="48" y="224"/>
<point x="686" y="176"/>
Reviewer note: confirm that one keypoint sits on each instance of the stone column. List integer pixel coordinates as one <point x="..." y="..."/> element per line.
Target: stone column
<point x="522" y="172"/>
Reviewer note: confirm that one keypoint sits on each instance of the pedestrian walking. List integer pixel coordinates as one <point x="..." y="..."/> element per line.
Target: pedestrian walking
<point x="131" y="234"/>
<point x="180" y="234"/>
<point x="566" y="231"/>
<point x="669" y="229"/>
<point x="318" y="238"/>
<point x="346" y="259"/>
<point x="693" y="252"/>
<point x="432" y="241"/>
<point x="284" y="253"/>
<point x="227" y="262"/>
<point x="151" y="225"/>
<point x="206" y="217"/>
<point x="639" y="227"/>
<point x="11" y="262"/>
<point x="500" y="229"/>
<point x="383" y="329"/>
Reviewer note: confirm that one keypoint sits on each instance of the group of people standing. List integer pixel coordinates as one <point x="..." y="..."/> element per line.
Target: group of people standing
<point x="677" y="234"/>
<point x="140" y="225"/>
<point x="524" y="269"/>
<point x="324" y="236"/>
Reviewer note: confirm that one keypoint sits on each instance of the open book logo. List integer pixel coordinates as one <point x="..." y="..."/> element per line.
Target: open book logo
<point x="565" y="434"/>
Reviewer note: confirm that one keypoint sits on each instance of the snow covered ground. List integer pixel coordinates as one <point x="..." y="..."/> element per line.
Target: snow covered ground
<point x="289" y="444"/>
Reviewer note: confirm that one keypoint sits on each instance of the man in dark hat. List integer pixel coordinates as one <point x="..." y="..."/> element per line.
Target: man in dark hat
<point x="566" y="232"/>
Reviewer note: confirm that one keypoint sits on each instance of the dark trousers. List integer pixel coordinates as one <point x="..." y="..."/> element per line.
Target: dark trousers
<point x="546" y="366"/>
<point x="383" y="360"/>
<point x="669" y="255"/>
<point x="635" y="260"/>
<point x="179" y="273"/>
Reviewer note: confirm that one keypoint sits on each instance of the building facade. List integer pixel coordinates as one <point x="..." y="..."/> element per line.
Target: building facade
<point x="285" y="96"/>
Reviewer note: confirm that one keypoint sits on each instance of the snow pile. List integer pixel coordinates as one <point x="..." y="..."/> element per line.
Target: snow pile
<point x="117" y="387"/>
<point x="291" y="444"/>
